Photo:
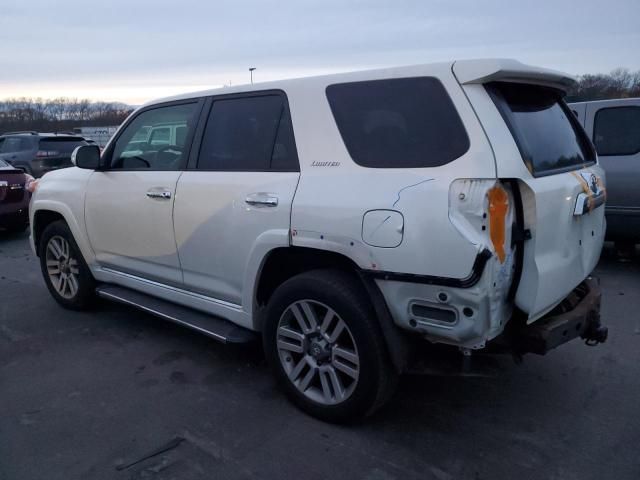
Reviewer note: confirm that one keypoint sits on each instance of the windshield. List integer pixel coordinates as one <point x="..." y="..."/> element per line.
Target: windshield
<point x="547" y="133"/>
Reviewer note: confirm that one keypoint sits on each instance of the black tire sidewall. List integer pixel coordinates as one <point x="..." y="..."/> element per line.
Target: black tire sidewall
<point x="86" y="283"/>
<point x="342" y="293"/>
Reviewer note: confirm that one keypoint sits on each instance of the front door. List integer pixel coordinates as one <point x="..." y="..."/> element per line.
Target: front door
<point x="235" y="204"/>
<point x="129" y="204"/>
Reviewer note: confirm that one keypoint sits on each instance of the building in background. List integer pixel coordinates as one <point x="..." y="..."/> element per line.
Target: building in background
<point x="100" y="135"/>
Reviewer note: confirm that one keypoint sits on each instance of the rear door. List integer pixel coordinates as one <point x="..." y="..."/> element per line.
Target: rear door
<point x="615" y="129"/>
<point x="539" y="141"/>
<point x="234" y="203"/>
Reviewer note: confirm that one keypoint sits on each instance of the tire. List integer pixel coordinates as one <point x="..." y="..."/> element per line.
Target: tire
<point x="76" y="290"/>
<point x="300" y="354"/>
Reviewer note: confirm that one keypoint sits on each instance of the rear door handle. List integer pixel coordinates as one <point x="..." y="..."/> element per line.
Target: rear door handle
<point x="261" y="200"/>
<point x="159" y="193"/>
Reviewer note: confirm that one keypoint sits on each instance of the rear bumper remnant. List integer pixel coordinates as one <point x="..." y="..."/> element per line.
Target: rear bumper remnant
<point x="577" y="316"/>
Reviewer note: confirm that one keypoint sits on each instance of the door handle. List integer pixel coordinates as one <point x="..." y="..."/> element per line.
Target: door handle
<point x="261" y="200"/>
<point x="162" y="194"/>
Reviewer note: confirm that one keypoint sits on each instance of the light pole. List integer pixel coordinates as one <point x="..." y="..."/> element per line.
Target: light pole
<point x="251" y="69"/>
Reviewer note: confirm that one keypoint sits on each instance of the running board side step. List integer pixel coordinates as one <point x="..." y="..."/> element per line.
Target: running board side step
<point x="215" y="327"/>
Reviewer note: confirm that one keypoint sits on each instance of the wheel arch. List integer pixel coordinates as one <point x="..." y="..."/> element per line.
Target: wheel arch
<point x="44" y="213"/>
<point x="283" y="263"/>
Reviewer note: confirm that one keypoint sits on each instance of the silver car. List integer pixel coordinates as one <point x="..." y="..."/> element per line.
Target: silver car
<point x="614" y="128"/>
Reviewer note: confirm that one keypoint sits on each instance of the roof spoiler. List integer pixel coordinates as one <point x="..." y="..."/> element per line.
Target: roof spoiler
<point x="484" y="71"/>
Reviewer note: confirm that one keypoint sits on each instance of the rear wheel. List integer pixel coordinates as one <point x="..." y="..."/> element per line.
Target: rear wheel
<point x="325" y="347"/>
<point x="64" y="270"/>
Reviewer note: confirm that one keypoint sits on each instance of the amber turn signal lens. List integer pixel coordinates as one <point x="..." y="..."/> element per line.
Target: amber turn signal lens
<point x="498" y="208"/>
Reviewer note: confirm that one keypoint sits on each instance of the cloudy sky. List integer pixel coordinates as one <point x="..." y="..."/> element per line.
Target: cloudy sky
<point x="136" y="50"/>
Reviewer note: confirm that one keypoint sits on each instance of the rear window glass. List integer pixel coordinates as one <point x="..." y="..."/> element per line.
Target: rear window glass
<point x="616" y="131"/>
<point x="398" y="123"/>
<point x="61" y="145"/>
<point x="548" y="135"/>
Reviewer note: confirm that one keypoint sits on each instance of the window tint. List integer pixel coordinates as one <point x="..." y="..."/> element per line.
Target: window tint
<point x="181" y="135"/>
<point x="616" y="131"/>
<point x="547" y="133"/>
<point x="251" y="133"/>
<point x="146" y="142"/>
<point x="399" y="123"/>
<point x="160" y="136"/>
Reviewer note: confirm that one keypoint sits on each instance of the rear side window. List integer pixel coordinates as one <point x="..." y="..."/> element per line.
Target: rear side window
<point x="616" y="131"/>
<point x="547" y="133"/>
<point x="63" y="146"/>
<point x="248" y="134"/>
<point x="398" y="123"/>
<point x="14" y="144"/>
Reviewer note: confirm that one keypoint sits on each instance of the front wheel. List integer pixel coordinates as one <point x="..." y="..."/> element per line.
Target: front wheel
<point x="325" y="346"/>
<point x="65" y="272"/>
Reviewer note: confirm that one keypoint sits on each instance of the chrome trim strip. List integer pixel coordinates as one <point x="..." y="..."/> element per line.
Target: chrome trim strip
<point x="174" y="289"/>
<point x="616" y="210"/>
<point x="161" y="315"/>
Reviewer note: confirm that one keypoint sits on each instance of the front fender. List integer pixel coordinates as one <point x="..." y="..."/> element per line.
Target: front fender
<point x="63" y="192"/>
<point x="77" y="229"/>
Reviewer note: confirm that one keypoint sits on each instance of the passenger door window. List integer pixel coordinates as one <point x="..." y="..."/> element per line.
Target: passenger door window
<point x="616" y="131"/>
<point x="248" y="134"/>
<point x="145" y="143"/>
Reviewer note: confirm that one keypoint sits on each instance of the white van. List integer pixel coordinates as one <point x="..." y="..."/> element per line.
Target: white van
<point x="347" y="220"/>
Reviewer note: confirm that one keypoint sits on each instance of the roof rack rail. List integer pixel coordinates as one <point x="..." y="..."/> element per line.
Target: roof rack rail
<point x="29" y="132"/>
<point x="65" y="132"/>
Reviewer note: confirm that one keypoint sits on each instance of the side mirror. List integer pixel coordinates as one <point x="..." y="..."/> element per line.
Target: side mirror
<point x="86" y="156"/>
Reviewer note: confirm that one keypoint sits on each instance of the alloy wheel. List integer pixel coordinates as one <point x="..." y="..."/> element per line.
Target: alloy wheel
<point x="317" y="352"/>
<point x="62" y="267"/>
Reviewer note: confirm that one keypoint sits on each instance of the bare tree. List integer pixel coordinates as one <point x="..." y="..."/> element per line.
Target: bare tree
<point x="620" y="83"/>
<point x="59" y="114"/>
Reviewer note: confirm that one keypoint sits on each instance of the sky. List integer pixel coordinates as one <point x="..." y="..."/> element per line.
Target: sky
<point x="137" y="50"/>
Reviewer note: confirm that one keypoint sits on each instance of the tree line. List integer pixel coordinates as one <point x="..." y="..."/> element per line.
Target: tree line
<point x="58" y="114"/>
<point x="62" y="114"/>
<point x="620" y="83"/>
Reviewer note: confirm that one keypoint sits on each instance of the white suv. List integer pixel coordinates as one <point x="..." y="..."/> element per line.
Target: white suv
<point x="349" y="220"/>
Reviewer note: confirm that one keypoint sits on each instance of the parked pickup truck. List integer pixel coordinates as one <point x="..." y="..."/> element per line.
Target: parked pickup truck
<point x="347" y="220"/>
<point x="614" y="128"/>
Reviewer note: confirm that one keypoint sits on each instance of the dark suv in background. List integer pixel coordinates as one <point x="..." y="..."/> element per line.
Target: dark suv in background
<point x="38" y="153"/>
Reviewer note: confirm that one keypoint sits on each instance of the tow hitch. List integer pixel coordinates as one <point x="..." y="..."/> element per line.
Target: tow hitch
<point x="577" y="316"/>
<point x="596" y="334"/>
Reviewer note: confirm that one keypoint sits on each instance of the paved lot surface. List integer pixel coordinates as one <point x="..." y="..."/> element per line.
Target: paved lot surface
<point x="82" y="394"/>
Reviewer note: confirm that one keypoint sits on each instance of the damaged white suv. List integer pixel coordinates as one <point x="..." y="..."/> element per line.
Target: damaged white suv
<point x="349" y="220"/>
